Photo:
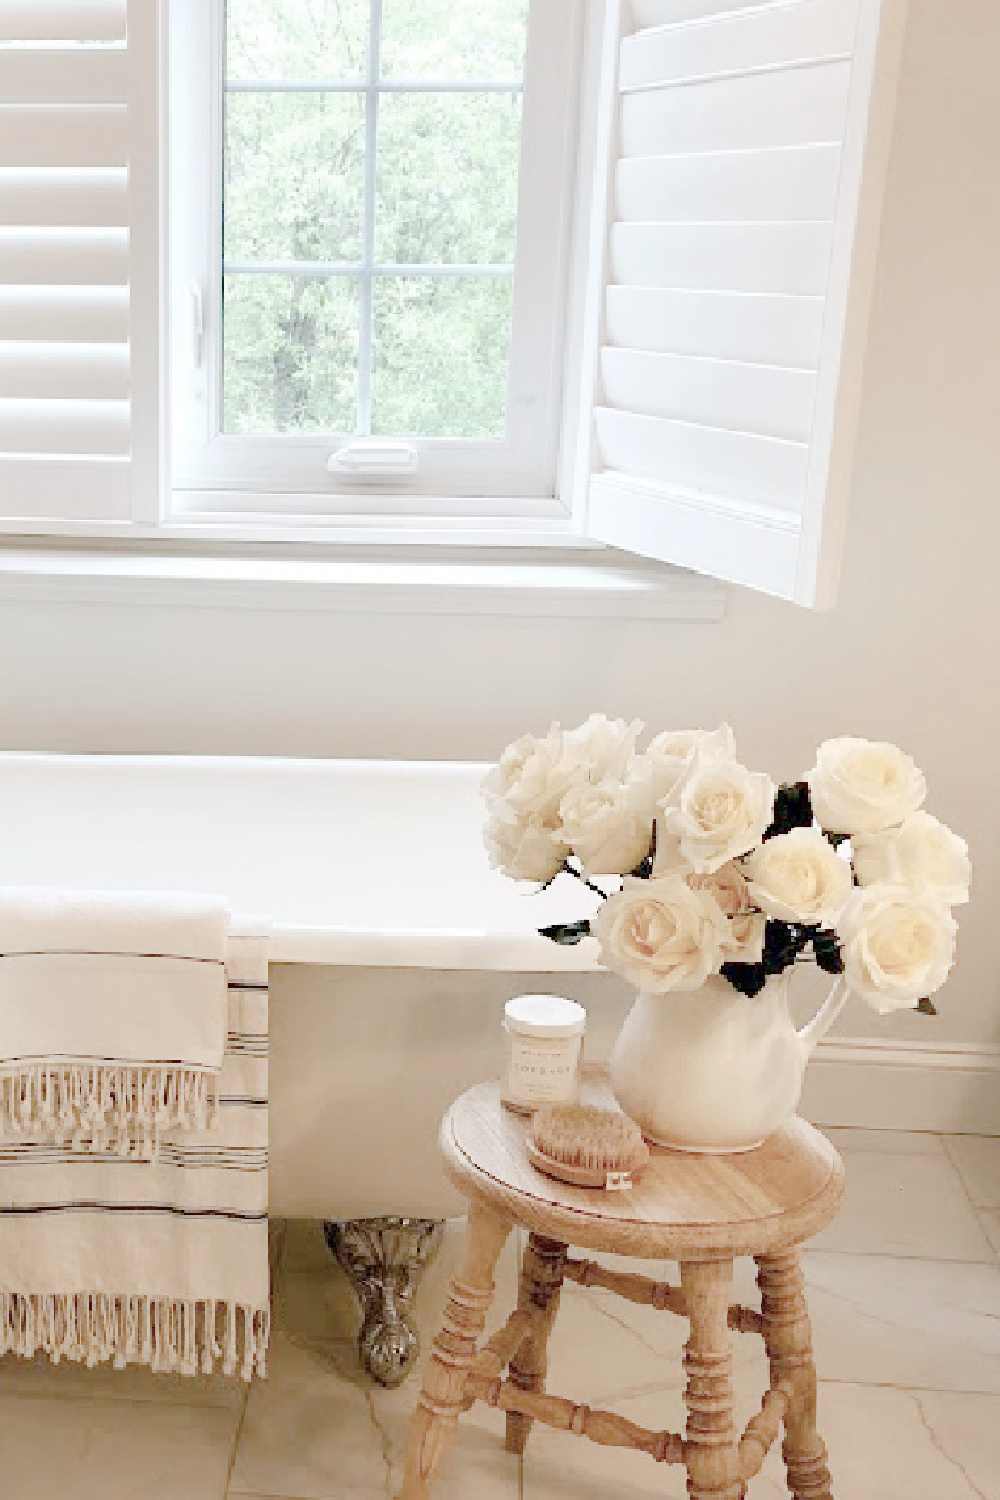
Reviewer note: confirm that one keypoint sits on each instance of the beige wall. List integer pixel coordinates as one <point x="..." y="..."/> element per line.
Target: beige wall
<point x="908" y="654"/>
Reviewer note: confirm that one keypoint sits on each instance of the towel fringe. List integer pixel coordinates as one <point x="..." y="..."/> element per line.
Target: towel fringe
<point x="111" y="1109"/>
<point x="172" y="1337"/>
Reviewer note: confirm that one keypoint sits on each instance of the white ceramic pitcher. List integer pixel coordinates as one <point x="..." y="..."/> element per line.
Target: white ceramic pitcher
<point x="713" y="1070"/>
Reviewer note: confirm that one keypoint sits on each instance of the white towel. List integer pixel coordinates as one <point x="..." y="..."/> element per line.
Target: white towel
<point x="111" y="1257"/>
<point x="112" y="1016"/>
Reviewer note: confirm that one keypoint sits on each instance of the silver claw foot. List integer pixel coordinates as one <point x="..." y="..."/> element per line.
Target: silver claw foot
<point x="384" y="1259"/>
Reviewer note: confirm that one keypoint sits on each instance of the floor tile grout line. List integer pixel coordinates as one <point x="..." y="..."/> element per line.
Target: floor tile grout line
<point x="103" y="1398"/>
<point x="980" y="1214"/>
<point x="961" y="1177"/>
<point x="895" y="1385"/>
<point x="976" y="1135"/>
<point x="234" y="1446"/>
<point x="812" y="1248"/>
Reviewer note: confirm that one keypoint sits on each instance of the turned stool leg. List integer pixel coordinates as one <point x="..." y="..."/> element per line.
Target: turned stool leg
<point x="710" y="1449"/>
<point x="452" y="1353"/>
<point x="538" y="1291"/>
<point x="789" y="1347"/>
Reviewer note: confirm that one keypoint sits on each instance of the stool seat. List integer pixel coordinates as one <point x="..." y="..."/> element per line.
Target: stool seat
<point x="699" y="1210"/>
<point x="685" y="1205"/>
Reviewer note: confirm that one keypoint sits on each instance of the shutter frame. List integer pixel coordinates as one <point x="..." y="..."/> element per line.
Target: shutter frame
<point x="80" y="266"/>
<point x="773" y="532"/>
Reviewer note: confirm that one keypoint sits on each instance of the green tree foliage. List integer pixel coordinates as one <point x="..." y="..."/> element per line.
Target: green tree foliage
<point x="446" y="193"/>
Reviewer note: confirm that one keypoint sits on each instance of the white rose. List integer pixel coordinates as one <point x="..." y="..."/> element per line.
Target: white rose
<point x="684" y="742"/>
<point x="863" y="786"/>
<point x="720" y="811"/>
<point x="897" y="946"/>
<point x="799" y="877"/>
<point x="602" y="748"/>
<point x="744" y="941"/>
<point x="531" y="778"/>
<point x="661" y="935"/>
<point x="523" y="847"/>
<point x="923" y="854"/>
<point x="609" y="827"/>
<point x="668" y="757"/>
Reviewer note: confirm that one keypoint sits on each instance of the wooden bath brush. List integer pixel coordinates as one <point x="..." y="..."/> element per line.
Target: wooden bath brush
<point x="587" y="1146"/>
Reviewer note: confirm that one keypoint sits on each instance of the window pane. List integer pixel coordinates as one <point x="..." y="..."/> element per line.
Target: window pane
<point x="453" y="38"/>
<point x="294" y="176"/>
<point x="290" y="354"/>
<point x="441" y="352"/>
<point x="447" y="178"/>
<point x="296" y="38"/>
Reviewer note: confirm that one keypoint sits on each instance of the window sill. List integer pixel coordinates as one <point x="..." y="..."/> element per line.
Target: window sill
<point x="593" y="586"/>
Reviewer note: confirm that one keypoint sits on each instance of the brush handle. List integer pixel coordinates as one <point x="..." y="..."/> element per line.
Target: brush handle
<point x="587" y="1177"/>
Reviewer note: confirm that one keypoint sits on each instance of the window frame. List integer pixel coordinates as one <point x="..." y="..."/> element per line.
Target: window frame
<point x="473" y="492"/>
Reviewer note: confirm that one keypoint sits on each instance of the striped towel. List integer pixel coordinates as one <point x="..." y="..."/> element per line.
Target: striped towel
<point x="112" y="1016"/>
<point x="111" y="1257"/>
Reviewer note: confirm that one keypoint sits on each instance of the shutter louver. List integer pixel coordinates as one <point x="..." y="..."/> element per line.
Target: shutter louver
<point x="79" y="263"/>
<point x="744" y="202"/>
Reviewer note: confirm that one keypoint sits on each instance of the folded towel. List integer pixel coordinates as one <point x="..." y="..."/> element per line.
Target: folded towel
<point x="112" y="1016"/>
<point x="113" y="1258"/>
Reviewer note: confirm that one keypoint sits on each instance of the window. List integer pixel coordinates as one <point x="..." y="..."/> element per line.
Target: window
<point x="683" y="368"/>
<point x="382" y="260"/>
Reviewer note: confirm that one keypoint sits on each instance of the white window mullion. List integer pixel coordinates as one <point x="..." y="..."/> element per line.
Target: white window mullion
<point x="366" y="289"/>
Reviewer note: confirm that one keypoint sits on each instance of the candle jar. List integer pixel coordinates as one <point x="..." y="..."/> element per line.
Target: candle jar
<point x="543" y="1043"/>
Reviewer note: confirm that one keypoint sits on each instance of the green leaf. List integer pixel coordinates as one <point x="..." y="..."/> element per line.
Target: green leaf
<point x="566" y="933"/>
<point x="792" y="809"/>
<point x="748" y="979"/>
<point x="926" y="1007"/>
<point x="826" y="951"/>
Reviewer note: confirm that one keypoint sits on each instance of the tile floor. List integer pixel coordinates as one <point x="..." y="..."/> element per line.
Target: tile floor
<point x="904" y="1291"/>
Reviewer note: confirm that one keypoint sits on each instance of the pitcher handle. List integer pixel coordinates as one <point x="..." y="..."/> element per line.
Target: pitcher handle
<point x="825" y="1016"/>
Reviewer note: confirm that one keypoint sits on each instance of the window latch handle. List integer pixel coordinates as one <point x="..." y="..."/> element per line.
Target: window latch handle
<point x="374" y="460"/>
<point x="197" y="325"/>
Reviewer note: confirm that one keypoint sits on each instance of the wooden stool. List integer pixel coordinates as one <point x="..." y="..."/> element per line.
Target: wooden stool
<point x="698" y="1210"/>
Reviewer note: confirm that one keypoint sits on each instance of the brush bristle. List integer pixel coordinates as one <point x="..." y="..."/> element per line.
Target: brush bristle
<point x="584" y="1135"/>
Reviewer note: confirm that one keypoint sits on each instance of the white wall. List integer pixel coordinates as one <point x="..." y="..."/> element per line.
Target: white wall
<point x="908" y="654"/>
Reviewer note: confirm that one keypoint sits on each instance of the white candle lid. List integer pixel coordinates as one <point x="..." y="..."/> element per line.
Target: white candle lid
<point x="544" y="1016"/>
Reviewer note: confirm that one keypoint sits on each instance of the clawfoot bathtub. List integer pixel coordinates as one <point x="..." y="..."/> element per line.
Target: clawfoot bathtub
<point x="393" y="949"/>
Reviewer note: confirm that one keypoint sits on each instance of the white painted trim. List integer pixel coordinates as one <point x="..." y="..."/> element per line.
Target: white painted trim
<point x="587" y="588"/>
<point x="748" y="544"/>
<point x="856" y="232"/>
<point x="598" y="137"/>
<point x="904" y="1085"/>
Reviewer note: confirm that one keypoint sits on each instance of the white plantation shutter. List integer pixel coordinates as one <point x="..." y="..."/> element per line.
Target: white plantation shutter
<point x="79" y="263"/>
<point x="746" y="145"/>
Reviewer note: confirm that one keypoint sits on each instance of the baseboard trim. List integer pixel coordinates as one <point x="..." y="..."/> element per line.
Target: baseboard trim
<point x="904" y="1085"/>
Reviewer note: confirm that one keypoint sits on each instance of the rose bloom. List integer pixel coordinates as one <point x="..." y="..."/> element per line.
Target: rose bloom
<point x="668" y="757"/>
<point x="799" y="877"/>
<point x="863" y="786"/>
<point x="531" y="778"/>
<point x="897" y="946"/>
<point x="922" y="853"/>
<point x="720" y="812"/>
<point x="601" y="749"/>
<point x="523" y="848"/>
<point x="661" y="935"/>
<point x="744" y="942"/>
<point x="609" y="827"/>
